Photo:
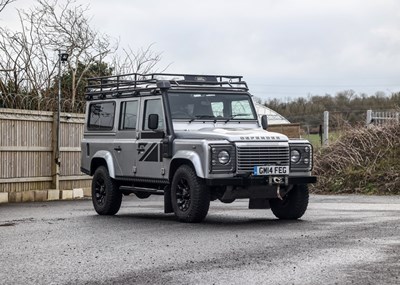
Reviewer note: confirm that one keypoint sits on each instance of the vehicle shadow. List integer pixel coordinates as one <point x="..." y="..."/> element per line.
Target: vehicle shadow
<point x="212" y="220"/>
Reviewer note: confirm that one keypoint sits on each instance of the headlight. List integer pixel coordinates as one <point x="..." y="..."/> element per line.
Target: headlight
<point x="223" y="157"/>
<point x="295" y="156"/>
<point x="301" y="157"/>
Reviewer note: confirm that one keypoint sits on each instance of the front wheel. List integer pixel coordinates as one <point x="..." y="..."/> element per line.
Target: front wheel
<point x="106" y="196"/>
<point x="189" y="195"/>
<point x="293" y="205"/>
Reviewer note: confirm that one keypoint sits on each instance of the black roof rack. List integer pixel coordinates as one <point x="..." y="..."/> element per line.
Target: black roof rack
<point x="128" y="85"/>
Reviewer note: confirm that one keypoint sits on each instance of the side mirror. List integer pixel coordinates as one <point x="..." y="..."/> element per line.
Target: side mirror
<point x="264" y="122"/>
<point x="153" y="122"/>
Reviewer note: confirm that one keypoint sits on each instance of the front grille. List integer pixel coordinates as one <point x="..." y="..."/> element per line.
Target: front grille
<point x="250" y="156"/>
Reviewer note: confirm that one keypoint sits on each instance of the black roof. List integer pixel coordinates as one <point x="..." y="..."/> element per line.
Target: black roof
<point x="131" y="85"/>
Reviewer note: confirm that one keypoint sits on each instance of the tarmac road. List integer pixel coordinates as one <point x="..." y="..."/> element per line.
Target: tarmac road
<point x="340" y="240"/>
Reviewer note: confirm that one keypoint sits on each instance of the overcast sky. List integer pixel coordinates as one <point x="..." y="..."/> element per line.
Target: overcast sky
<point x="283" y="48"/>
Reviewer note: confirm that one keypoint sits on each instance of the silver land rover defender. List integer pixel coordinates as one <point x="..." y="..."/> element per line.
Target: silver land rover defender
<point x="193" y="139"/>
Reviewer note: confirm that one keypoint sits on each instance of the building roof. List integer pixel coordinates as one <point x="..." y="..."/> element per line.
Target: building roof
<point x="274" y="118"/>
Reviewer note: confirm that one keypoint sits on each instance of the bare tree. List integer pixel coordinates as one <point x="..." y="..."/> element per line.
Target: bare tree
<point x="31" y="54"/>
<point x="7" y="62"/>
<point x="144" y="60"/>
<point x="4" y="3"/>
<point x="66" y="27"/>
<point x="5" y="66"/>
<point x="28" y="55"/>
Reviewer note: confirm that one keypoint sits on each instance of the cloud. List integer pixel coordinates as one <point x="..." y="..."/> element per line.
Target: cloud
<point x="324" y="46"/>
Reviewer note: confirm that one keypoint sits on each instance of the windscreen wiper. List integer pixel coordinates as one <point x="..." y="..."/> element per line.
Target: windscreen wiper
<point x="201" y="117"/>
<point x="233" y="116"/>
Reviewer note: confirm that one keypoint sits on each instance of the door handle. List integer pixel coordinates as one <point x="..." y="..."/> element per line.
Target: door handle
<point x="140" y="149"/>
<point x="118" y="148"/>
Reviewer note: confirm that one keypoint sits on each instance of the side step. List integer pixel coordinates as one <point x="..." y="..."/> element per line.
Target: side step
<point x="132" y="189"/>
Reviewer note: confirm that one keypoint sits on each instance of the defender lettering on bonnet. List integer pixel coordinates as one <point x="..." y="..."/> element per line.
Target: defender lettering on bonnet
<point x="193" y="139"/>
<point x="260" y="138"/>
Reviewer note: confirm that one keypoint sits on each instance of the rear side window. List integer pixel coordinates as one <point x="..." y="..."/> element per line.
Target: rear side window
<point x="129" y="115"/>
<point x="101" y="116"/>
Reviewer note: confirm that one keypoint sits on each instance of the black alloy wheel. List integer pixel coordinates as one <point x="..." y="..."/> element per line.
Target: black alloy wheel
<point x="190" y="197"/>
<point x="106" y="196"/>
<point x="183" y="194"/>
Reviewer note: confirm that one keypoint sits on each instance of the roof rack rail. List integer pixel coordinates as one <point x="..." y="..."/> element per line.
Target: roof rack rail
<point x="133" y="84"/>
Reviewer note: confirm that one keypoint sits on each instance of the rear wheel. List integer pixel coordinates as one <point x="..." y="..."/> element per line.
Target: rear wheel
<point x="293" y="205"/>
<point x="189" y="195"/>
<point x="106" y="196"/>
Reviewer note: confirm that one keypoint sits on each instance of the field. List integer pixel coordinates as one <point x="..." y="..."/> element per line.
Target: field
<point x="315" y="139"/>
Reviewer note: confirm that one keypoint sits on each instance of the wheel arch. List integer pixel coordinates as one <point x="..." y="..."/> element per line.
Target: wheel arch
<point x="189" y="158"/>
<point x="175" y="164"/>
<point x="102" y="158"/>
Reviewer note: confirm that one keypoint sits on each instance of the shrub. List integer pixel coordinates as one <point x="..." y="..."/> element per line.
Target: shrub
<point x="362" y="160"/>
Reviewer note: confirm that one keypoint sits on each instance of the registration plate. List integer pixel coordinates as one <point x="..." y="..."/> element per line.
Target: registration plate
<point x="271" y="170"/>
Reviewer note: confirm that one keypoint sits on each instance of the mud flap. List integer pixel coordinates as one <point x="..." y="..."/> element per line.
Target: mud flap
<point x="259" y="203"/>
<point x="167" y="200"/>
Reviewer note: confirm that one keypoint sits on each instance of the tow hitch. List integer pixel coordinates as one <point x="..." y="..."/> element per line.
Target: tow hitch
<point x="278" y="181"/>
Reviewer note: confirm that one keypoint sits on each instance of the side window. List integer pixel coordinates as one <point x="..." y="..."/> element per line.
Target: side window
<point x="101" y="116"/>
<point x="153" y="106"/>
<point x="128" y="119"/>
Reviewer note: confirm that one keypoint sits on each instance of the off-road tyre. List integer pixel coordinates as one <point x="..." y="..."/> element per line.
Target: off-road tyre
<point x="106" y="196"/>
<point x="190" y="197"/>
<point x="294" y="204"/>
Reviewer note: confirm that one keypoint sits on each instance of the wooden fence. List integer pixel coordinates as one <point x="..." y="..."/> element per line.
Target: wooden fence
<point x="27" y="151"/>
<point x="290" y="130"/>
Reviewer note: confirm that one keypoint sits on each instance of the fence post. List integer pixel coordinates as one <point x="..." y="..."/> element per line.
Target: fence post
<point x="55" y="166"/>
<point x="369" y="117"/>
<point x="326" y="128"/>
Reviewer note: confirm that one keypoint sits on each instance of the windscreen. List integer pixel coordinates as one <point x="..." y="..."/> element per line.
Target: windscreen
<point x="204" y="106"/>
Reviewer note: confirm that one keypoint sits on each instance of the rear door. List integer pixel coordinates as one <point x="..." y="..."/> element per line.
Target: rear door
<point x="124" y="148"/>
<point x="149" y="163"/>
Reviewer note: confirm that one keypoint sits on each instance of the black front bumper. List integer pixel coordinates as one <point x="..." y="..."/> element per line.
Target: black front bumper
<point x="248" y="181"/>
